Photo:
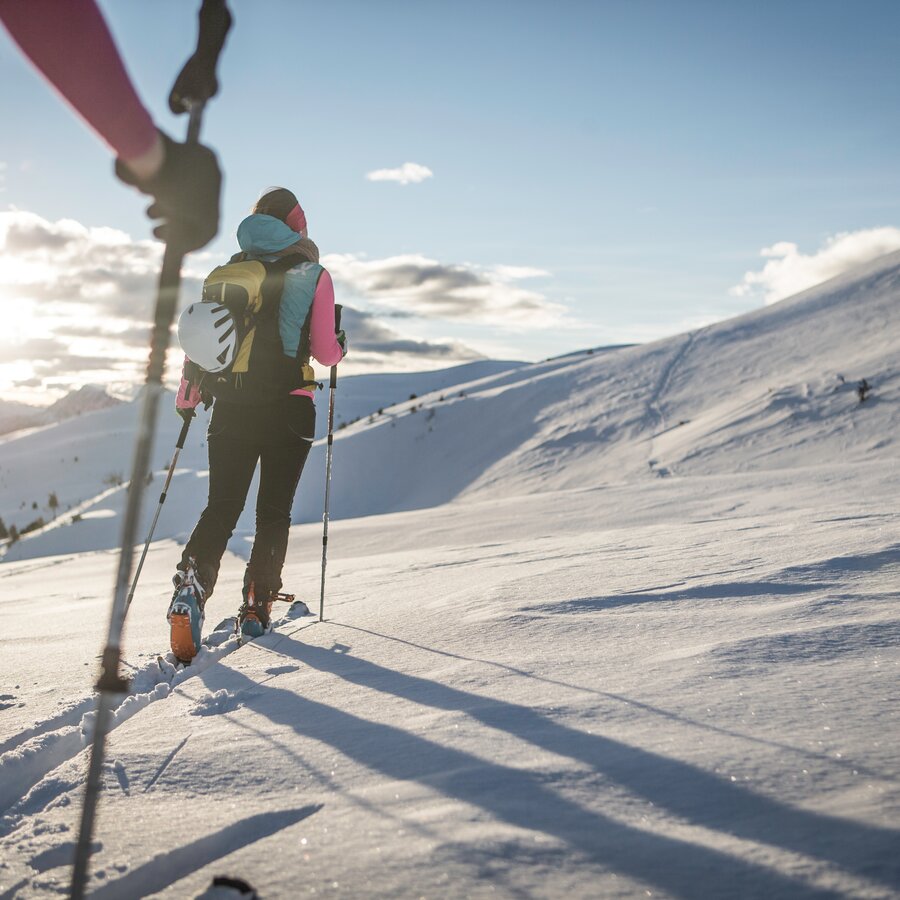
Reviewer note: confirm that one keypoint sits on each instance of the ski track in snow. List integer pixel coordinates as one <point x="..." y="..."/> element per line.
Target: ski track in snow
<point x="656" y="405"/>
<point x="45" y="747"/>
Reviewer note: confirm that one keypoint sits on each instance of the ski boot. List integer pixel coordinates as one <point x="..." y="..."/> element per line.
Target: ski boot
<point x="255" y="615"/>
<point x="186" y="613"/>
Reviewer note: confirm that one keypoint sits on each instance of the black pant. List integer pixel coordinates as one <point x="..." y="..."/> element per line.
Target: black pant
<point x="279" y="437"/>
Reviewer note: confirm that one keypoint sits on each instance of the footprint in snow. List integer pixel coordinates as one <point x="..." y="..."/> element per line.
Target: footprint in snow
<point x="220" y="702"/>
<point x="297" y="610"/>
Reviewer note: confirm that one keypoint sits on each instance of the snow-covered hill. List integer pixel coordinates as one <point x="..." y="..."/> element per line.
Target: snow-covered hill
<point x="84" y="461"/>
<point x="774" y="388"/>
<point x="620" y="624"/>
<point x="88" y="398"/>
<point x="15" y="416"/>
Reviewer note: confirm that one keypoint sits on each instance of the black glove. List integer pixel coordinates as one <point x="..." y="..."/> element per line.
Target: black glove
<point x="197" y="80"/>
<point x="185" y="191"/>
<point x="343" y="343"/>
<point x="188" y="412"/>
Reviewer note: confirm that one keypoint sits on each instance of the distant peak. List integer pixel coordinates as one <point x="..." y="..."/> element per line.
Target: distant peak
<point x="87" y="398"/>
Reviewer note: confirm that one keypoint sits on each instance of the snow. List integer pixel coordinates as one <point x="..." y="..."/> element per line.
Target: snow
<point x="614" y="625"/>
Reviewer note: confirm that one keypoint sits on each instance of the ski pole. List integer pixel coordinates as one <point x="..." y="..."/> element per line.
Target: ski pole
<point x="328" y="458"/>
<point x="111" y="682"/>
<point x="179" y="446"/>
<point x="212" y="33"/>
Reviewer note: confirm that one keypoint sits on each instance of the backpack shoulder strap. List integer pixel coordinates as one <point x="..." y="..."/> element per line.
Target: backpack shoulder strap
<point x="283" y="263"/>
<point x="273" y="285"/>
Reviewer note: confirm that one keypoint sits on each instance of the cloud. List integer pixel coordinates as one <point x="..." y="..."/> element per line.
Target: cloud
<point x="419" y="286"/>
<point x="75" y="298"/>
<point x="79" y="300"/>
<point x="34" y="348"/>
<point x="136" y="335"/>
<point x="65" y="364"/>
<point x="408" y="173"/>
<point x="375" y="345"/>
<point x="788" y="271"/>
<point x="67" y="263"/>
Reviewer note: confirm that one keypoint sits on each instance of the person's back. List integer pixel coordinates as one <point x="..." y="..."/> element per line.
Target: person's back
<point x="276" y="430"/>
<point x="262" y="236"/>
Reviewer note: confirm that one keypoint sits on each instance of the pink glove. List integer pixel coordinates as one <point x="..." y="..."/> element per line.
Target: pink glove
<point x="189" y="394"/>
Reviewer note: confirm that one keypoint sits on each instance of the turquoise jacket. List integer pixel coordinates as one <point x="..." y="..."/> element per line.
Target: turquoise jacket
<point x="263" y="237"/>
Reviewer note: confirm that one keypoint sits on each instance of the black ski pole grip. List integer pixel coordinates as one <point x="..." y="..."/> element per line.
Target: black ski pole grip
<point x="197" y="82"/>
<point x="215" y="23"/>
<point x="338" y="309"/>
<point x="183" y="436"/>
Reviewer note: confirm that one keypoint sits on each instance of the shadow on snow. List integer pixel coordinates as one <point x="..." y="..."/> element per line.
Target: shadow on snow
<point x="523" y="799"/>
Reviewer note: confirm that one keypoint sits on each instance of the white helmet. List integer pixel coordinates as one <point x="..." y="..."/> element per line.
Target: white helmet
<point x="208" y="336"/>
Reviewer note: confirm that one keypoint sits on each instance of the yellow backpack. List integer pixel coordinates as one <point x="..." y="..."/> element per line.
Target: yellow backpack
<point x="251" y="290"/>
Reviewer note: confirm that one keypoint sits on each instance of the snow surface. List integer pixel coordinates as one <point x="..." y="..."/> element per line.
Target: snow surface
<point x="614" y="625"/>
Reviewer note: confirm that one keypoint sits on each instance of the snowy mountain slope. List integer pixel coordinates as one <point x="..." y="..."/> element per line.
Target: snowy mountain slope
<point x="774" y="388"/>
<point x="361" y="395"/>
<point x="88" y="398"/>
<point x="14" y="416"/>
<point x="684" y="687"/>
<point x="85" y="461"/>
<point x="792" y="371"/>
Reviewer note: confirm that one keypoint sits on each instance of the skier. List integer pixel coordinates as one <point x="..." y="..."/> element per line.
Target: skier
<point x="275" y="428"/>
<point x="71" y="45"/>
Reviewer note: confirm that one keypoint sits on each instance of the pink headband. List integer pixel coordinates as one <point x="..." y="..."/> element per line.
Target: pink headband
<point x="296" y="219"/>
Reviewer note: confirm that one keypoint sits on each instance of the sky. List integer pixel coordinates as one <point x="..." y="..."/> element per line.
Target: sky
<point x="514" y="180"/>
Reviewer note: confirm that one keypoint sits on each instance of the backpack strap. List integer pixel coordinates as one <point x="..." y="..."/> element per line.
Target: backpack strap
<point x="273" y="286"/>
<point x="307" y="382"/>
<point x="283" y="263"/>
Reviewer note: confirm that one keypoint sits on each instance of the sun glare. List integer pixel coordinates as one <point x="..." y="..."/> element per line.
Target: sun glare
<point x="19" y="320"/>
